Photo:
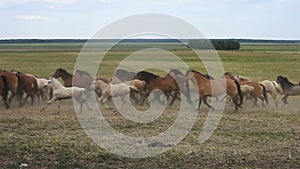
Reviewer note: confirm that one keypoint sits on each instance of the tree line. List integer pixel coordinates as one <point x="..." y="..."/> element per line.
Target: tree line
<point x="214" y="44"/>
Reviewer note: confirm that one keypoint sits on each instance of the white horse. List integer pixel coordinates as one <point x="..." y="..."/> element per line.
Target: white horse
<point x="60" y="93"/>
<point x="273" y="88"/>
<point x="43" y="86"/>
<point x="109" y="90"/>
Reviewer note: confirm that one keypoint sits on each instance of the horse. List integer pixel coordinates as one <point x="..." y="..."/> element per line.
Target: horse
<point x="259" y="89"/>
<point x="289" y="89"/>
<point x="61" y="92"/>
<point x="66" y="76"/>
<point x="140" y="85"/>
<point x="108" y="90"/>
<point x="43" y="86"/>
<point x="81" y="79"/>
<point x="14" y="85"/>
<point x="272" y="88"/>
<point x="166" y="84"/>
<point x="124" y="75"/>
<point x="29" y="84"/>
<point x="221" y="86"/>
<point x="4" y="90"/>
<point x="247" y="91"/>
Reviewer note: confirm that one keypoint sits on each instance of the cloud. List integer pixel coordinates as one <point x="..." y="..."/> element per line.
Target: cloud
<point x="51" y="6"/>
<point x="29" y="17"/>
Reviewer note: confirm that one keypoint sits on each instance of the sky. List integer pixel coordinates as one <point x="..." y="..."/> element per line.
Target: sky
<point x="48" y="19"/>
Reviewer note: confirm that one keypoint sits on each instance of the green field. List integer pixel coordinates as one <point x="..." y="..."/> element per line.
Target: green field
<point x="250" y="138"/>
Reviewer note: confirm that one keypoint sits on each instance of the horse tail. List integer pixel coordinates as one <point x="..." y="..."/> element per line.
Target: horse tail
<point x="133" y="88"/>
<point x="5" y="91"/>
<point x="19" y="92"/>
<point x="239" y="92"/>
<point x="188" y="94"/>
<point x="265" y="93"/>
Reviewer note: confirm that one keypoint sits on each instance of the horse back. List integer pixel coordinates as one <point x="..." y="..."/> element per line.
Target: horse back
<point x="12" y="80"/>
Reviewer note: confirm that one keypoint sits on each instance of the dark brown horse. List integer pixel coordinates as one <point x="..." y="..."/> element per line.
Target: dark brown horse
<point x="124" y="75"/>
<point x="4" y="90"/>
<point x="166" y="84"/>
<point x="66" y="77"/>
<point x="14" y="85"/>
<point x="289" y="89"/>
<point x="220" y="86"/>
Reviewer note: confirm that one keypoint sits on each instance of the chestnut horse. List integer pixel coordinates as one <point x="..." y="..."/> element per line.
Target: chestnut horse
<point x="29" y="84"/>
<point x="166" y="84"/>
<point x="14" y="85"/>
<point x="221" y="86"/>
<point x="259" y="90"/>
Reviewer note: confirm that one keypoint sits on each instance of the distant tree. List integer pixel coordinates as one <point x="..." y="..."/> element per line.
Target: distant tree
<point x="217" y="44"/>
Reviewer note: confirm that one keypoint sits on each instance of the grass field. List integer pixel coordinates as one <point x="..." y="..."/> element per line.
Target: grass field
<point x="250" y="138"/>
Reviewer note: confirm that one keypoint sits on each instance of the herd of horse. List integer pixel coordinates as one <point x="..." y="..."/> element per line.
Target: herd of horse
<point x="140" y="85"/>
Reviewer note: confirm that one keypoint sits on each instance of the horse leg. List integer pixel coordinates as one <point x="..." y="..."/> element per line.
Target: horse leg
<point x="255" y="101"/>
<point x="32" y="99"/>
<point x="132" y="96"/>
<point x="11" y="97"/>
<point x="144" y="98"/>
<point x="199" y="103"/>
<point x="58" y="106"/>
<point x="48" y="103"/>
<point x="235" y="101"/>
<point x="205" y="101"/>
<point x="223" y="98"/>
<point x="174" y="97"/>
<point x="274" y="98"/>
<point x="4" y="97"/>
<point x="262" y="101"/>
<point x="284" y="99"/>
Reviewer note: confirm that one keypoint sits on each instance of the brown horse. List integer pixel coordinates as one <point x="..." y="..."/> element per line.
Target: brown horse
<point x="81" y="79"/>
<point x="4" y="90"/>
<point x="14" y="85"/>
<point x="166" y="84"/>
<point x="66" y="77"/>
<point x="259" y="90"/>
<point x="29" y="84"/>
<point x="220" y="86"/>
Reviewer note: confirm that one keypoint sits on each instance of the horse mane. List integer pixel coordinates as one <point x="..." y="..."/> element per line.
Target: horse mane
<point x="176" y="71"/>
<point x="56" y="83"/>
<point x="228" y="73"/>
<point x="104" y="80"/>
<point x="15" y="71"/>
<point x="148" y="74"/>
<point x="64" y="71"/>
<point x="286" y="80"/>
<point x="207" y="76"/>
<point x="243" y="78"/>
<point x="81" y="72"/>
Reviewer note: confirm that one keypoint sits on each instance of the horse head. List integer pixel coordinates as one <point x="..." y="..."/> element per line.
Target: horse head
<point x="59" y="72"/>
<point x="55" y="83"/>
